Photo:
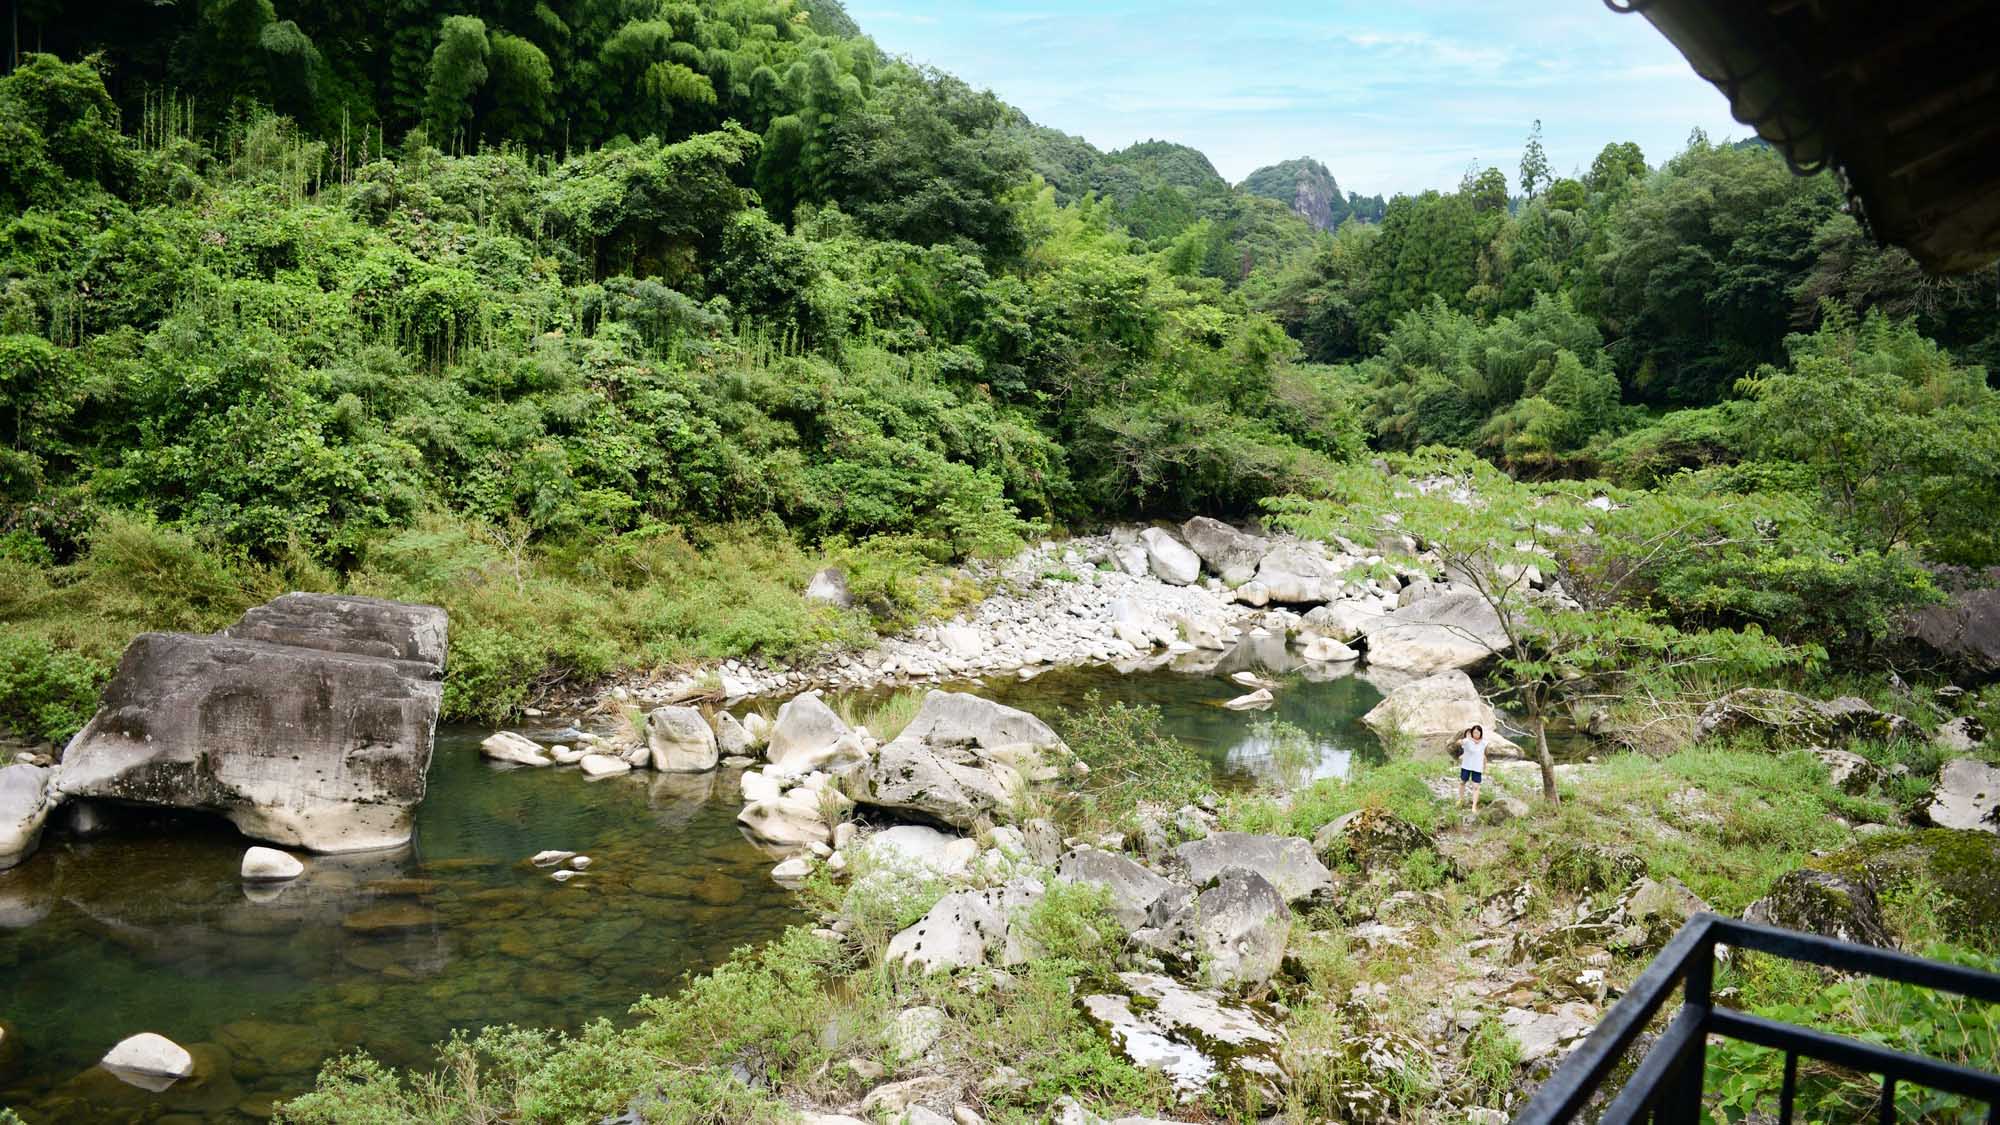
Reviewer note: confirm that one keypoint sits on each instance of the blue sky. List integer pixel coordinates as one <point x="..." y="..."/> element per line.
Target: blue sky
<point x="1395" y="95"/>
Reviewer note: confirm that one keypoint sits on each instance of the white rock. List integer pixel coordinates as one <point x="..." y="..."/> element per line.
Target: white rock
<point x="1434" y="710"/>
<point x="150" y="1055"/>
<point x="731" y="740"/>
<point x="1169" y="559"/>
<point x="1454" y="630"/>
<point x="1326" y="650"/>
<point x="565" y="875"/>
<point x="1967" y="795"/>
<point x="809" y="736"/>
<point x="25" y="804"/>
<point x="758" y="728"/>
<point x="784" y="823"/>
<point x="679" y="740"/>
<point x="269" y="865"/>
<point x="793" y="871"/>
<point x="564" y="756"/>
<point x="581" y="862"/>
<point x="915" y="1032"/>
<point x="550" y="858"/>
<point x="506" y="746"/>
<point x="758" y="786"/>
<point x="1258" y="699"/>
<point x="962" y="641"/>
<point x="829" y="585"/>
<point x="602" y="765"/>
<point x="1291" y="574"/>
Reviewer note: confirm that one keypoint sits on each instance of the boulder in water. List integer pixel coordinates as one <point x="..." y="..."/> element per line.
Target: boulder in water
<point x="308" y="723"/>
<point x="514" y="749"/>
<point x="150" y="1056"/>
<point x="1293" y="575"/>
<point x="961" y="758"/>
<point x="25" y="804"/>
<point x="269" y="865"/>
<point x="1453" y="630"/>
<point x="808" y="736"/>
<point x="1434" y="711"/>
<point x="679" y="740"/>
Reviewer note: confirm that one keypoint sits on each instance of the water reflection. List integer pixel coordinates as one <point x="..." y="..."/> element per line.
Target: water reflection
<point x="1324" y="701"/>
<point x="148" y="928"/>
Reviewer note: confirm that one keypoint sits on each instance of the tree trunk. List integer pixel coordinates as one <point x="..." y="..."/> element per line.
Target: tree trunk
<point x="1542" y="755"/>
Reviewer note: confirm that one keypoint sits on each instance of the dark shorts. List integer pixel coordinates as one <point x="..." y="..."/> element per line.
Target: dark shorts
<point x="1468" y="775"/>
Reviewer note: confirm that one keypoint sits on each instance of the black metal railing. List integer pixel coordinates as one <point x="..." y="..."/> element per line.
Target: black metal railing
<point x="1667" y="1085"/>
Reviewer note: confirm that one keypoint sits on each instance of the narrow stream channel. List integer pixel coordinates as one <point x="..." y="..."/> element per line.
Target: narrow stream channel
<point x="147" y="928"/>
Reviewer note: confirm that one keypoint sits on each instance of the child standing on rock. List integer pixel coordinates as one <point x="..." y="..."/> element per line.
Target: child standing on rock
<point x="1471" y="754"/>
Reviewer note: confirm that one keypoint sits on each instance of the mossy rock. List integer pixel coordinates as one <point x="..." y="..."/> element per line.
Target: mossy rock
<point x="1370" y="837"/>
<point x="1587" y="868"/>
<point x="1962" y="862"/>
<point x="1821" y="902"/>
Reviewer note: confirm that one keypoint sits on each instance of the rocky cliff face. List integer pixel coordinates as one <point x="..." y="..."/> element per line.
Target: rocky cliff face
<point x="309" y="722"/>
<point x="1306" y="187"/>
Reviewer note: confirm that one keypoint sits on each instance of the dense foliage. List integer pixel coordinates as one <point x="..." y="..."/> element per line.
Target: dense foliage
<point x="864" y="332"/>
<point x="469" y="301"/>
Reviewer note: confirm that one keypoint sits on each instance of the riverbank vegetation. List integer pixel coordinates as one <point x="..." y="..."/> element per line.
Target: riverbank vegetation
<point x="465" y="330"/>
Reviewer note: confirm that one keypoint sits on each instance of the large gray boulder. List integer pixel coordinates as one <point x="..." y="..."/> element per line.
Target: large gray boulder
<point x="1824" y="903"/>
<point x="1139" y="896"/>
<point x="1229" y="554"/>
<point x="273" y="724"/>
<point x="1433" y="711"/>
<point x="808" y="736"/>
<point x="1287" y="861"/>
<point x="1239" y="928"/>
<point x="1344" y="621"/>
<point x="1452" y="630"/>
<point x="350" y="625"/>
<point x="681" y="741"/>
<point x="960" y="759"/>
<point x="1967" y="795"/>
<point x="24" y="807"/>
<point x="1170" y="560"/>
<point x="514" y="749"/>
<point x="1965" y="628"/>
<point x="1293" y="575"/>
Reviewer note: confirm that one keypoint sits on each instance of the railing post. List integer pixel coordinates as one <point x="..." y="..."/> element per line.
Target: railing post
<point x="1681" y="1102"/>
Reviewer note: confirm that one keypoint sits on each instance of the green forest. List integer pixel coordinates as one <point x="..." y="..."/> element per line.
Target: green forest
<point x="603" y="323"/>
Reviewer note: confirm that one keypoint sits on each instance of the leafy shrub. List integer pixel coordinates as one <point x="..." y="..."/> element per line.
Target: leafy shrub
<point x="1131" y="759"/>
<point x="46" y="692"/>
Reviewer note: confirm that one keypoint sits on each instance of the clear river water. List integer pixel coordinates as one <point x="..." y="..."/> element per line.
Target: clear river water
<point x="147" y="927"/>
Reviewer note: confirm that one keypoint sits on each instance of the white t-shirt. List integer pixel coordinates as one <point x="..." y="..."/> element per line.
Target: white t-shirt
<point x="1474" y="756"/>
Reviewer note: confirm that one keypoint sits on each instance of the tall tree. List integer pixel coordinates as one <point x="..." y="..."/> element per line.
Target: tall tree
<point x="1534" y="163"/>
